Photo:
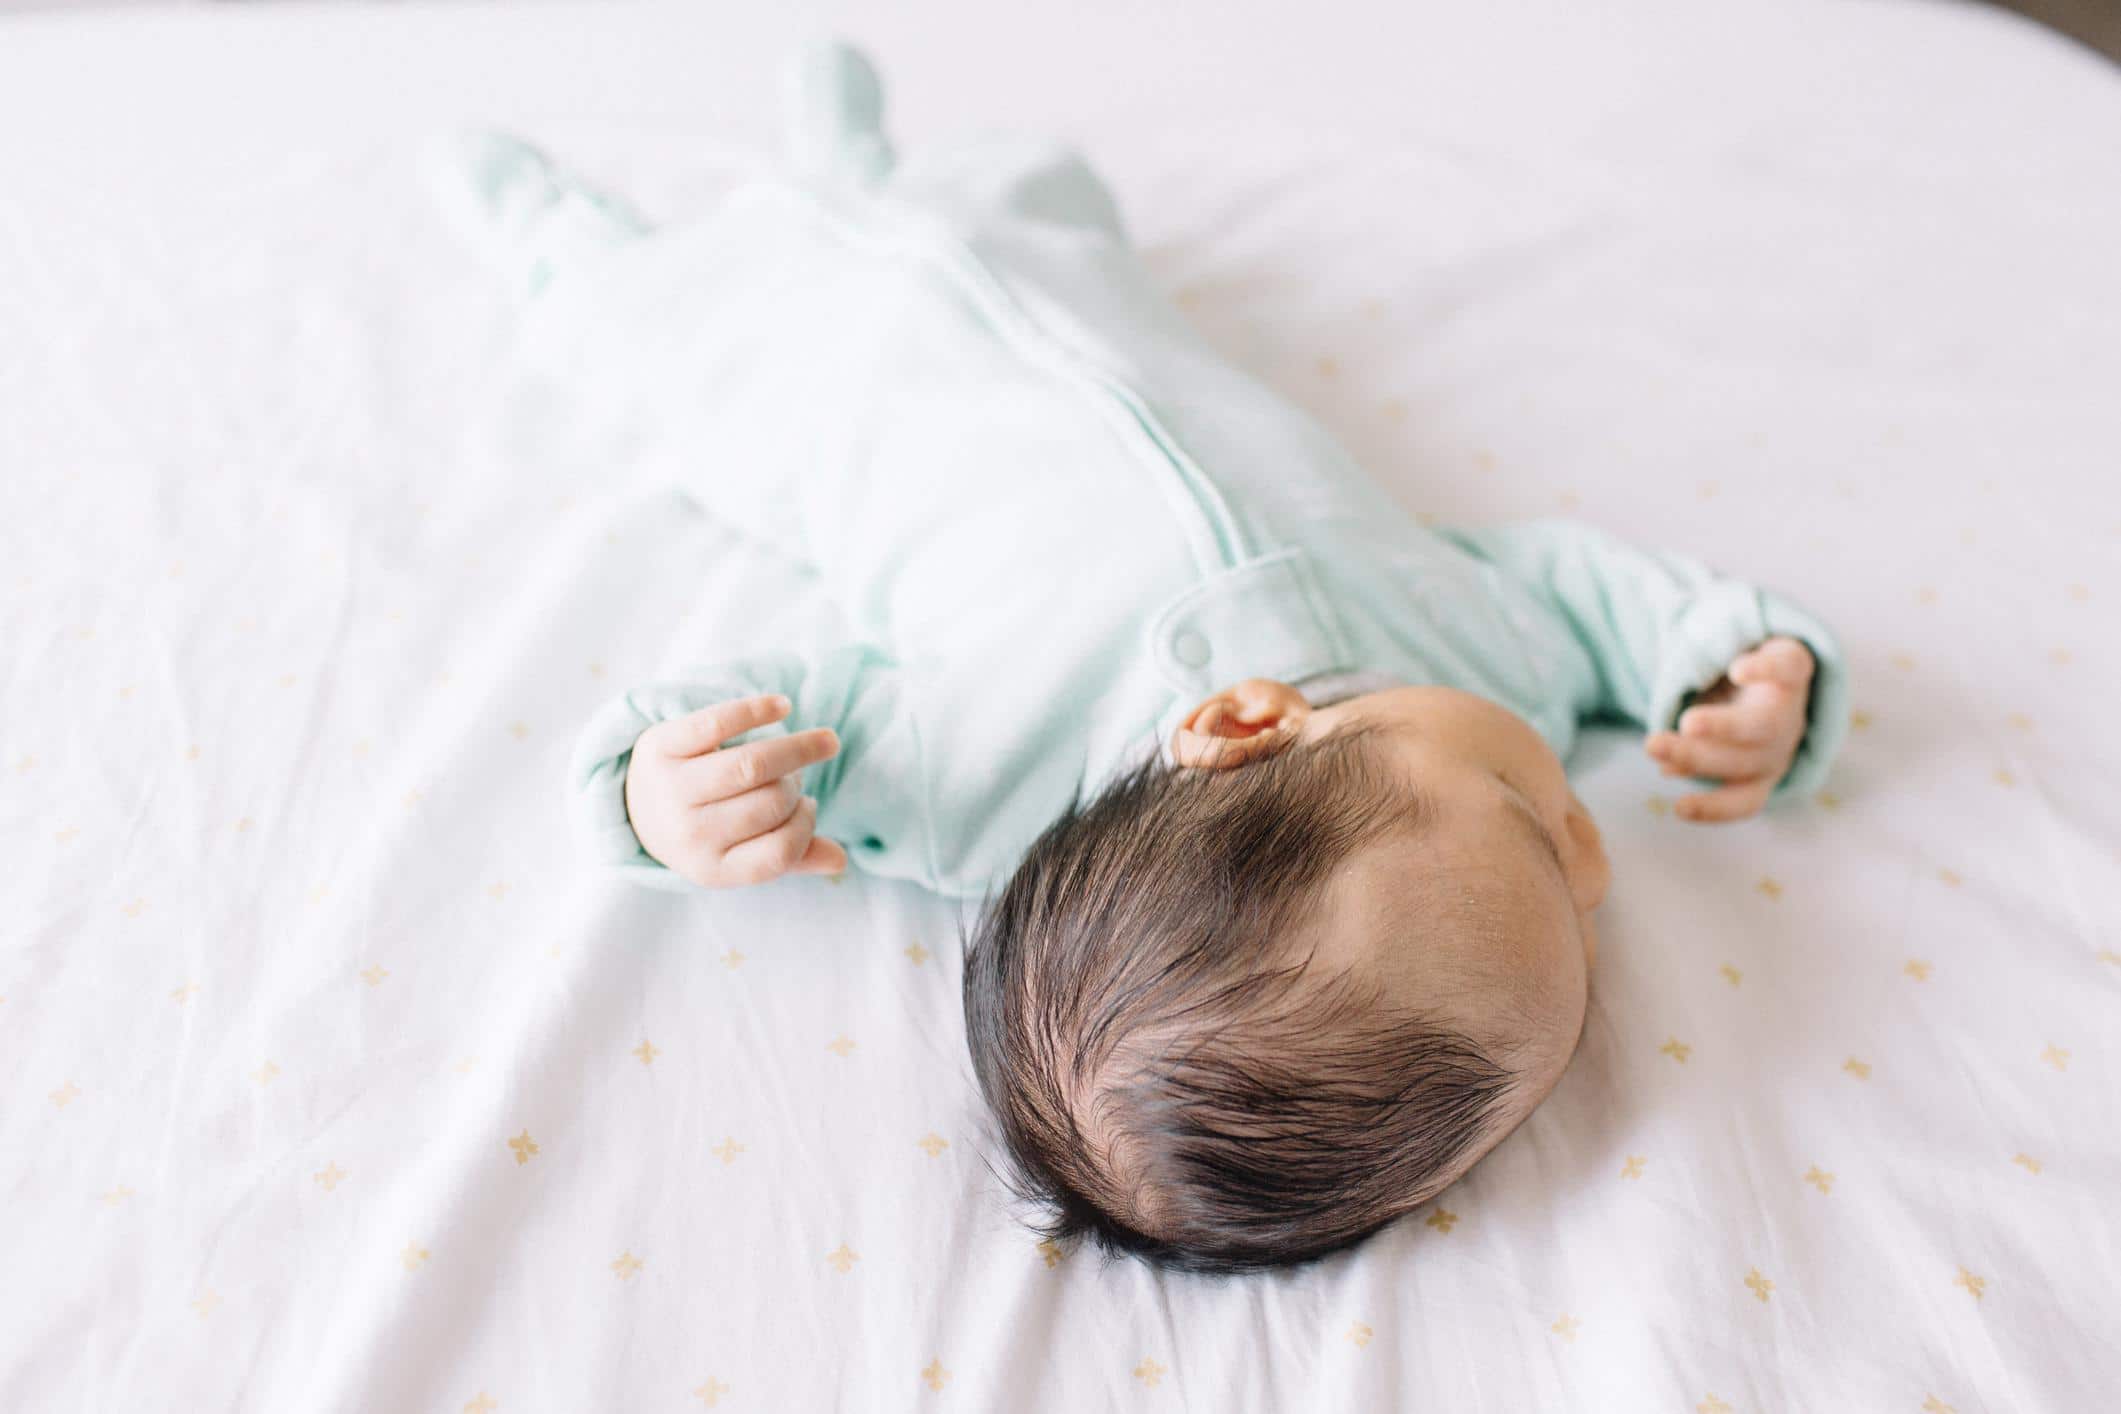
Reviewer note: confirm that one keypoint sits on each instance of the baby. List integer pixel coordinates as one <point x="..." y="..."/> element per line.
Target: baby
<point x="1286" y="903"/>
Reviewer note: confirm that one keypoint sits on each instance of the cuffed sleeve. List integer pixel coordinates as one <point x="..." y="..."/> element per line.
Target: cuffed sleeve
<point x="852" y="689"/>
<point x="1660" y="628"/>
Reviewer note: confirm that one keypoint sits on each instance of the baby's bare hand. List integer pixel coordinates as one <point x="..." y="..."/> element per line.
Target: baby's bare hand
<point x="1743" y="731"/>
<point x="727" y="817"/>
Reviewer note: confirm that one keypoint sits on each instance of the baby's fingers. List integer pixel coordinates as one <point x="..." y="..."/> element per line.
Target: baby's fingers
<point x="776" y="852"/>
<point x="698" y="732"/>
<point x="1781" y="659"/>
<point x="1753" y="718"/>
<point x="1691" y="756"/>
<point x="1733" y="801"/>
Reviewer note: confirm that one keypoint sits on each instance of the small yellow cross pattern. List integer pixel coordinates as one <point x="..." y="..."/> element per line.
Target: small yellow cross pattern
<point x="519" y="730"/>
<point x="2027" y="1162"/>
<point x="414" y="1256"/>
<point x="1731" y="974"/>
<point x="727" y="1150"/>
<point x="1860" y="1069"/>
<point x="1975" y="1285"/>
<point x="1828" y="800"/>
<point x="843" y="1259"/>
<point x="1918" y="969"/>
<point x="840" y="1046"/>
<point x="66" y="1094"/>
<point x="1860" y="721"/>
<point x="627" y="1266"/>
<point x="329" y="1177"/>
<point x="2110" y="957"/>
<point x="1632" y="1168"/>
<point x="645" y="1053"/>
<point x="710" y="1393"/>
<point x="2005" y="778"/>
<point x="1819" y="1179"/>
<point x="116" y="1195"/>
<point x="1712" y="1405"/>
<point x="1759" y="1285"/>
<point x="481" y="1403"/>
<point x="2055" y="1056"/>
<point x="1677" y="1049"/>
<point x="1443" y="1220"/>
<point x="1949" y="878"/>
<point x="732" y="959"/>
<point x="1567" y="1327"/>
<point x="184" y="993"/>
<point x="1149" y="1372"/>
<point x="1934" y="1405"/>
<point x="374" y="973"/>
<point x="933" y="1145"/>
<point x="1658" y="805"/>
<point x="1359" y="1334"/>
<point x="1049" y="1251"/>
<point x="935" y="1374"/>
<point x="524" y="1146"/>
<point x="205" y="1302"/>
<point x="1768" y="887"/>
<point x="135" y="908"/>
<point x="916" y="954"/>
<point x="497" y="890"/>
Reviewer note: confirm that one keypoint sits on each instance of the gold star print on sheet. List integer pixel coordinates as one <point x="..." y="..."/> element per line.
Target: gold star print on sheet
<point x="1860" y="721"/>
<point x="1975" y="1285"/>
<point x="1443" y="1220"/>
<point x="916" y="954"/>
<point x="205" y="1302"/>
<point x="1632" y="1168"/>
<point x="2110" y="957"/>
<point x="1658" y="805"/>
<point x="2055" y="1056"/>
<point x="1712" y="1405"/>
<point x="732" y="959"/>
<point x="710" y="1393"/>
<point x="519" y="730"/>
<point x="497" y="890"/>
<point x="840" y="1046"/>
<point x="1827" y="800"/>
<point x="66" y="1094"/>
<point x="329" y="1177"/>
<point x="1359" y="1334"/>
<point x="1731" y="974"/>
<point x="2027" y="1162"/>
<point x="481" y="1403"/>
<point x="1949" y="878"/>
<point x="185" y="993"/>
<point x="134" y="909"/>
<point x="627" y="1266"/>
<point x="1768" y="887"/>
<point x="1566" y="1327"/>
<point x="935" y="1375"/>
<point x="1934" y="1405"/>
<point x="66" y="834"/>
<point x="1677" y="1049"/>
<point x="1819" y="1179"/>
<point x="644" y="1053"/>
<point x="116" y="1196"/>
<point x="1918" y="969"/>
<point x="843" y="1259"/>
<point x="414" y="1256"/>
<point x="264" y="1074"/>
<point x="2005" y="777"/>
<point x="1860" y="1069"/>
<point x="374" y="973"/>
<point x="524" y="1147"/>
<point x="1759" y="1285"/>
<point x="727" y="1150"/>
<point x="933" y="1145"/>
<point x="1049" y="1251"/>
<point x="1149" y="1372"/>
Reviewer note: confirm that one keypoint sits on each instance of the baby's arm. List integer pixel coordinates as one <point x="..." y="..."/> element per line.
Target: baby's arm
<point x="700" y="779"/>
<point x="1665" y="633"/>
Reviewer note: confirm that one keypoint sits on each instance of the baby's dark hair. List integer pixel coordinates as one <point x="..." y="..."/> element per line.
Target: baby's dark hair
<point x="1166" y="1078"/>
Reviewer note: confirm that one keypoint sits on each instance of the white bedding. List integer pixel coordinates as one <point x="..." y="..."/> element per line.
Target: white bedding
<point x="297" y="965"/>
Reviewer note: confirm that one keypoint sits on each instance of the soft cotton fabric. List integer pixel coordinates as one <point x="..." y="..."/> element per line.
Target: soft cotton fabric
<point x="1055" y="516"/>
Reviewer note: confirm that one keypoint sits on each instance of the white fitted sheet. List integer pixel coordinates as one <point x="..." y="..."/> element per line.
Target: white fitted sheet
<point x="292" y="945"/>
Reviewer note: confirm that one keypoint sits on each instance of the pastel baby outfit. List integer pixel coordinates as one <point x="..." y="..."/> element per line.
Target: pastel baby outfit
<point x="1053" y="516"/>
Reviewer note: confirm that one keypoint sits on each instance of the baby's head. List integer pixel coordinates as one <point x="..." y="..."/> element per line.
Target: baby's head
<point x="1242" y="1012"/>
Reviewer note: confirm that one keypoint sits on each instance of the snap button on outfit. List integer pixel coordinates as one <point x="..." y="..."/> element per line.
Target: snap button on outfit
<point x="1191" y="649"/>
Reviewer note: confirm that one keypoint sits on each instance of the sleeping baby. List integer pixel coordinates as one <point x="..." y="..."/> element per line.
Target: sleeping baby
<point x="1285" y="905"/>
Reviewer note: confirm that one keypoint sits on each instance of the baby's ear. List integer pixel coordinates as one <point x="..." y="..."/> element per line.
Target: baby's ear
<point x="1256" y="718"/>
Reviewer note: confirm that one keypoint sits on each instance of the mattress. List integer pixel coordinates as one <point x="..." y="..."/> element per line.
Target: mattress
<point x="333" y="1081"/>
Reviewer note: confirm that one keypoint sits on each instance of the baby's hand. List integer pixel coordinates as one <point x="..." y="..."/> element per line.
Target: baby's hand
<point x="1743" y="731"/>
<point x="725" y="818"/>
